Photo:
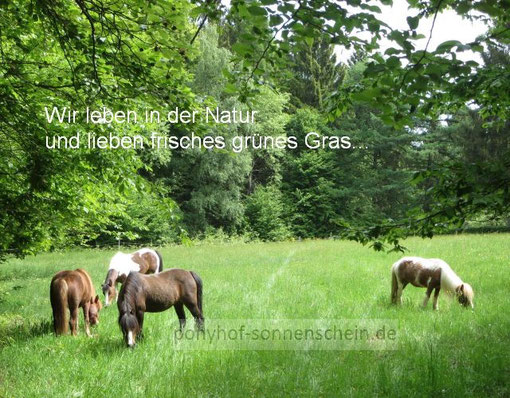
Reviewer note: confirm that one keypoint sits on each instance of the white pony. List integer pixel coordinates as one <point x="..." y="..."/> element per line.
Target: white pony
<point x="145" y="261"/>
<point x="432" y="273"/>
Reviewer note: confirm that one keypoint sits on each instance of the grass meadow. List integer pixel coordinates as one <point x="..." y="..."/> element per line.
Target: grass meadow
<point x="451" y="352"/>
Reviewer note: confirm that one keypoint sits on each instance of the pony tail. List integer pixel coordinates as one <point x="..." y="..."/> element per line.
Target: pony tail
<point x="160" y="261"/>
<point x="58" y="298"/>
<point x="394" y="286"/>
<point x="199" y="290"/>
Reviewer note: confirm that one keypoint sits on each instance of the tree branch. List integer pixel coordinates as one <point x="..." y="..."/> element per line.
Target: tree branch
<point x="426" y="46"/>
<point x="202" y="23"/>
<point x="85" y="12"/>
<point x="266" y="49"/>
<point x="199" y="29"/>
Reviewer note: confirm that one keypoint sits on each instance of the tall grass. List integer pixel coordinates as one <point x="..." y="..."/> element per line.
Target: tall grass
<point x="451" y="352"/>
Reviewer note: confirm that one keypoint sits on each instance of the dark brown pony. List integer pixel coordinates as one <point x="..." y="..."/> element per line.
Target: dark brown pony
<point x="155" y="293"/>
<point x="72" y="290"/>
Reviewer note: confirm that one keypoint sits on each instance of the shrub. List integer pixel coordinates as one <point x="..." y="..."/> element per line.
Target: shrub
<point x="265" y="214"/>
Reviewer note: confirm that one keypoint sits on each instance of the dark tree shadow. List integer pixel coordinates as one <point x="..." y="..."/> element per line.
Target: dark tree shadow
<point x="21" y="330"/>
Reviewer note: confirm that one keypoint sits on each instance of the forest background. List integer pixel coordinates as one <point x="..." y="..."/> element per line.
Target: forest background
<point x="434" y="128"/>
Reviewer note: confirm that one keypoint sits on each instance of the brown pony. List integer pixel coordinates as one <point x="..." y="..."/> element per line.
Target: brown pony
<point x="146" y="261"/>
<point x="155" y="293"/>
<point x="72" y="290"/>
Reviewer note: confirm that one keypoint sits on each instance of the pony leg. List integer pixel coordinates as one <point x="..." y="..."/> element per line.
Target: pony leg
<point x="139" y="317"/>
<point x="427" y="295"/>
<point x="394" y="287"/>
<point x="86" y="308"/>
<point x="436" y="295"/>
<point x="74" y="321"/>
<point x="179" y="310"/>
<point x="116" y="291"/>
<point x="400" y="289"/>
<point x="199" y="319"/>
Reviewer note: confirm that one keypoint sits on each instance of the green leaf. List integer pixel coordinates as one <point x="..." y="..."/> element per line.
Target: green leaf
<point x="242" y="48"/>
<point x="392" y="51"/>
<point x="413" y="22"/>
<point x="230" y="88"/>
<point x="257" y="11"/>
<point x="447" y="46"/>
<point x="275" y="20"/>
<point x="393" y="62"/>
<point x="374" y="68"/>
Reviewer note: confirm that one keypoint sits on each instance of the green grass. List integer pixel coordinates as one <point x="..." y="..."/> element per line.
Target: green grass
<point x="452" y="352"/>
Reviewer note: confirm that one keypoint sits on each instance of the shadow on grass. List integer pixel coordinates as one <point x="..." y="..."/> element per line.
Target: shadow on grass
<point x="100" y="346"/>
<point x="14" y="328"/>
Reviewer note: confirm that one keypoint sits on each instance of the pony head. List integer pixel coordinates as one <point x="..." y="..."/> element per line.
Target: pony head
<point x="94" y="308"/>
<point x="129" y="325"/>
<point x="109" y="292"/>
<point x="465" y="295"/>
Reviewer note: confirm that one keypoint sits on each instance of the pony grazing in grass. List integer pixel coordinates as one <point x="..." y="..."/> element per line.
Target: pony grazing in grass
<point x="146" y="261"/>
<point x="155" y="293"/>
<point x="432" y="273"/>
<point x="72" y="290"/>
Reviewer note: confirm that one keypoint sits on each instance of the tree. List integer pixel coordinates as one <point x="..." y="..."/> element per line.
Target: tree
<point x="76" y="54"/>
<point x="329" y="191"/>
<point x="208" y="184"/>
<point x="265" y="213"/>
<point x="405" y="84"/>
<point x="314" y="72"/>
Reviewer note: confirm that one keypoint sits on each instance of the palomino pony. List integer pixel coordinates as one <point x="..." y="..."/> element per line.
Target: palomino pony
<point x="72" y="290"/>
<point x="432" y="273"/>
<point x="146" y="261"/>
<point x="155" y="293"/>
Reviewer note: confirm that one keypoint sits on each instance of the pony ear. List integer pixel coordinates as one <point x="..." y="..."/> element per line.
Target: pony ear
<point x="96" y="300"/>
<point x="462" y="288"/>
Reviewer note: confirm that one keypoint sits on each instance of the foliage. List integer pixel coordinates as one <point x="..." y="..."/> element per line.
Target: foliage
<point x="328" y="190"/>
<point x="461" y="173"/>
<point x="402" y="82"/>
<point x="408" y="85"/>
<point x="314" y="73"/>
<point x="271" y="56"/>
<point x="209" y="185"/>
<point x="77" y="54"/>
<point x="143" y="218"/>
